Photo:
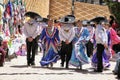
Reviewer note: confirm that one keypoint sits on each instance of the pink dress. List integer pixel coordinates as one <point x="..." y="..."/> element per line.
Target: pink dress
<point x="115" y="39"/>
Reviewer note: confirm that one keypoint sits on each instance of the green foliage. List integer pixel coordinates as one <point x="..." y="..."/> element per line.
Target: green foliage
<point x="115" y="9"/>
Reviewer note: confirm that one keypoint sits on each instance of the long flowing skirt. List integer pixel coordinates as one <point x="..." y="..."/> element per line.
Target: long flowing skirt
<point x="49" y="57"/>
<point x="74" y="60"/>
<point x="79" y="55"/>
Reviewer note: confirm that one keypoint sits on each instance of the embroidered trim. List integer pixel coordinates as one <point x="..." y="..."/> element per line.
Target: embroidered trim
<point x="50" y="35"/>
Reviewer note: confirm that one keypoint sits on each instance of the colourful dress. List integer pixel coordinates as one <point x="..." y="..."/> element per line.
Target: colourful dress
<point x="115" y="39"/>
<point x="79" y="55"/>
<point x="50" y="40"/>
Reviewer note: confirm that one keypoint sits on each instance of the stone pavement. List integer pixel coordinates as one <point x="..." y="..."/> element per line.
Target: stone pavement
<point x="17" y="70"/>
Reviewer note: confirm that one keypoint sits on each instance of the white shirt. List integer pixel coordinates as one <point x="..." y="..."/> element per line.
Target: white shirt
<point x="91" y="32"/>
<point x="101" y="35"/>
<point x="66" y="33"/>
<point x="31" y="30"/>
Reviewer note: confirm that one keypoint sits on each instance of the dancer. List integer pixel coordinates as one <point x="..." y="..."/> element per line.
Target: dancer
<point x="79" y="55"/>
<point x="107" y="53"/>
<point x="66" y="36"/>
<point x="31" y="33"/>
<point x="50" y="39"/>
<point x="101" y="41"/>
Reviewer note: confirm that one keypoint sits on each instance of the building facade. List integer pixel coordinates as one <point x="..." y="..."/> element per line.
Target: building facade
<point x="60" y="8"/>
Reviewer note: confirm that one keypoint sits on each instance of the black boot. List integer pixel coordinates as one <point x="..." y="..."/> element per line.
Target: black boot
<point x="28" y="63"/>
<point x="62" y="64"/>
<point x="66" y="65"/>
<point x="1" y="64"/>
<point x="33" y="63"/>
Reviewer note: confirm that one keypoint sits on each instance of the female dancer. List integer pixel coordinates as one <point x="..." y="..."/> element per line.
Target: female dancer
<point x="50" y="38"/>
<point x="79" y="55"/>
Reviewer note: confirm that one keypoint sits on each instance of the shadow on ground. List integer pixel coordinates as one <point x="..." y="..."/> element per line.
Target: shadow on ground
<point x="70" y="70"/>
<point x="19" y="66"/>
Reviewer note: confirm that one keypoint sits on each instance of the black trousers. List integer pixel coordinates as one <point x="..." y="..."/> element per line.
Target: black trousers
<point x="100" y="49"/>
<point x="31" y="50"/>
<point x="66" y="51"/>
<point x="118" y="75"/>
<point x="89" y="46"/>
<point x="37" y="38"/>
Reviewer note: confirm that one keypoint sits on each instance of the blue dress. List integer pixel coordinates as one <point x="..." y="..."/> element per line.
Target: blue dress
<point x="79" y="55"/>
<point x="50" y="40"/>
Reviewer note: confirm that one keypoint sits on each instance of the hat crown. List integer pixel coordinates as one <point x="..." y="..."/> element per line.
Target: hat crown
<point x="68" y="19"/>
<point x="92" y="23"/>
<point x="84" y="22"/>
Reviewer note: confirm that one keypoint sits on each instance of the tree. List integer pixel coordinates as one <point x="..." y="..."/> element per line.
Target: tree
<point x="114" y="7"/>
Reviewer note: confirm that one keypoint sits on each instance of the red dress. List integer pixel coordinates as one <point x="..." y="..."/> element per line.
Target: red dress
<point x="115" y="39"/>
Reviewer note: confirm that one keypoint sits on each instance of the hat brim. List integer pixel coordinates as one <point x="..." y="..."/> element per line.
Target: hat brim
<point x="67" y="22"/>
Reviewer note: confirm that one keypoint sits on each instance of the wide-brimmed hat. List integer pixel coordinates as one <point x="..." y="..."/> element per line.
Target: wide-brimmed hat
<point x="98" y="19"/>
<point x="32" y="14"/>
<point x="67" y="19"/>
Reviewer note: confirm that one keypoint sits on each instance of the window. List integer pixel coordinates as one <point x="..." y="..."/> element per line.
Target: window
<point x="101" y="2"/>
